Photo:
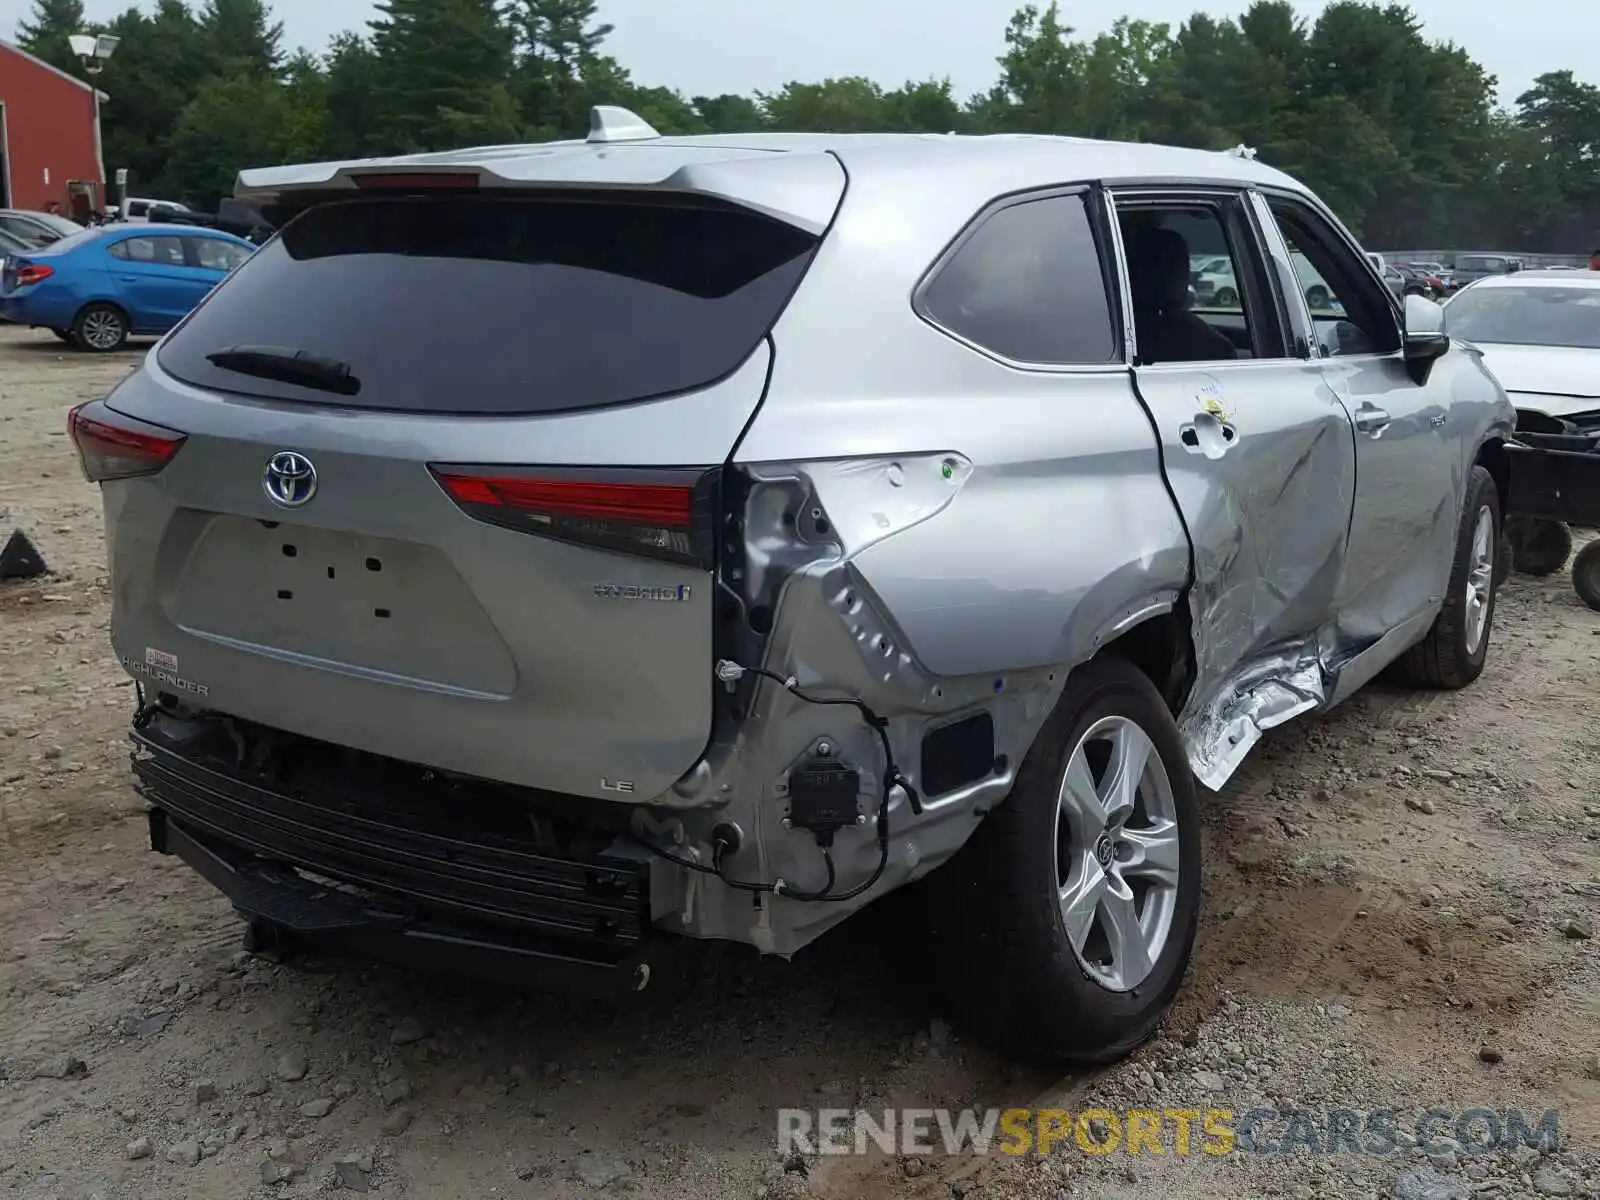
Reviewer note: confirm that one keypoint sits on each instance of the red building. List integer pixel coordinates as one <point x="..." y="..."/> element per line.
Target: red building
<point x="49" y="136"/>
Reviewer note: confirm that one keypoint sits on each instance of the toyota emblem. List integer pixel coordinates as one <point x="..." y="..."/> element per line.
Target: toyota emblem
<point x="289" y="480"/>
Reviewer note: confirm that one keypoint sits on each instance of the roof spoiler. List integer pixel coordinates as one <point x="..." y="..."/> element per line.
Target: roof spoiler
<point x="802" y="190"/>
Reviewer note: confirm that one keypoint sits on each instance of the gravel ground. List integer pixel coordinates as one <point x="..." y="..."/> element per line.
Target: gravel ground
<point x="1400" y="901"/>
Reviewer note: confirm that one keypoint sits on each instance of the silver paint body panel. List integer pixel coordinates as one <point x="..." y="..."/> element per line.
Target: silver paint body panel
<point x="992" y="527"/>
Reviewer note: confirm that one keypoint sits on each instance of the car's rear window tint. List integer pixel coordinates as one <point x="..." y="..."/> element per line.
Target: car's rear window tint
<point x="1028" y="284"/>
<point x="501" y="305"/>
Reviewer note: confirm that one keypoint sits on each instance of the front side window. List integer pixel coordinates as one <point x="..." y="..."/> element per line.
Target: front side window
<point x="1528" y="316"/>
<point x="1353" y="314"/>
<point x="158" y="251"/>
<point x="1028" y="284"/>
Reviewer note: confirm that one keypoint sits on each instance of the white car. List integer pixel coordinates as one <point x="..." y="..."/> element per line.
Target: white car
<point x="138" y="208"/>
<point x="1540" y="335"/>
<point x="1214" y="284"/>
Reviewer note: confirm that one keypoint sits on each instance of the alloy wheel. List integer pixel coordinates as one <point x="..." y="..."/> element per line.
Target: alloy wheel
<point x="1480" y="579"/>
<point x="1117" y="853"/>
<point x="102" y="329"/>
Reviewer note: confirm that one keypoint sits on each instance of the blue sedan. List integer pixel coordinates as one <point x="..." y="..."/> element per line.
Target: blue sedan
<point x="96" y="288"/>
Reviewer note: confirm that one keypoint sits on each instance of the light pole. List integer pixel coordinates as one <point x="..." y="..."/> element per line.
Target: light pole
<point x="93" y="50"/>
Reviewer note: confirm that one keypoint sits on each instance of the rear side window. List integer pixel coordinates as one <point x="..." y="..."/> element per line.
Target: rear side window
<point x="1027" y="284"/>
<point x="163" y="251"/>
<point x="500" y="305"/>
<point x="217" y="255"/>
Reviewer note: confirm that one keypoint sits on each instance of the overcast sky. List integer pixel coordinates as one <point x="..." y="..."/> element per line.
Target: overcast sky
<point x="704" y="47"/>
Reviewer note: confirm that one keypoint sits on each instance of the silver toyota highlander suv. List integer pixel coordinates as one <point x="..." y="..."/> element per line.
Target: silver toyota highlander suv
<point x="535" y="552"/>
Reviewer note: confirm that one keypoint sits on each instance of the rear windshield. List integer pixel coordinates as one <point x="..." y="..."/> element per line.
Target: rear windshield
<point x="1528" y="316"/>
<point x="495" y="306"/>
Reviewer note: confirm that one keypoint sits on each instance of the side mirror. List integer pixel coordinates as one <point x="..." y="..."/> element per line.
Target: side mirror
<point x="1425" y="335"/>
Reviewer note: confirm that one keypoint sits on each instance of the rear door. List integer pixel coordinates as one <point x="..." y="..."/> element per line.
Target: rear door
<point x="154" y="279"/>
<point x="1259" y="453"/>
<point x="471" y="526"/>
<point x="1402" y="533"/>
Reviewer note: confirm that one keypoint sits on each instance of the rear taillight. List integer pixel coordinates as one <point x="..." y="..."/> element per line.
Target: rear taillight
<point x="31" y="273"/>
<point x="112" y="446"/>
<point x="658" y="514"/>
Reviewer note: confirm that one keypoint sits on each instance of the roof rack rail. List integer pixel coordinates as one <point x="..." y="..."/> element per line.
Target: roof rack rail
<point x="612" y="123"/>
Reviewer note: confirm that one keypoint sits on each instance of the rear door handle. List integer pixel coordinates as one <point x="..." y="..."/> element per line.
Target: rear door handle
<point x="1371" y="419"/>
<point x="1207" y="434"/>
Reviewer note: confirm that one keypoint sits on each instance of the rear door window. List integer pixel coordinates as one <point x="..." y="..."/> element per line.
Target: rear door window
<point x="527" y="304"/>
<point x="1028" y="284"/>
<point x="214" y="254"/>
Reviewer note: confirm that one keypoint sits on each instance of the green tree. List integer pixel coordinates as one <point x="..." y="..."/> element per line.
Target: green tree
<point x="45" y="33"/>
<point x="442" y="73"/>
<point x="730" y="113"/>
<point x="1041" y="86"/>
<point x="241" y="36"/>
<point x="233" y="122"/>
<point x="353" y="120"/>
<point x="848" y="105"/>
<point x="560" y="71"/>
<point x="159" y="64"/>
<point x="926" y="107"/>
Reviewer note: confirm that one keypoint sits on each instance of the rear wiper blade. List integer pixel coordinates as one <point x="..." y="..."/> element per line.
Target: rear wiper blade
<point x="288" y="365"/>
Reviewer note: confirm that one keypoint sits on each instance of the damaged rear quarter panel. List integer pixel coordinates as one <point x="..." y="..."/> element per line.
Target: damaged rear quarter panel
<point x="1060" y="534"/>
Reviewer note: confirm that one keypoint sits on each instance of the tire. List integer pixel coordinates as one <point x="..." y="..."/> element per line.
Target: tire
<point x="1538" y="547"/>
<point x="1453" y="653"/>
<point x="1017" y="980"/>
<point x="1226" y="298"/>
<point x="1586" y="575"/>
<point x="100" y="328"/>
<point x="65" y="335"/>
<point x="1317" y="297"/>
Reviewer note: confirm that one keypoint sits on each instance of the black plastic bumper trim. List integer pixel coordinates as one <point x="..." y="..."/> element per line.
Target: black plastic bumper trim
<point x="277" y="899"/>
<point x="602" y="903"/>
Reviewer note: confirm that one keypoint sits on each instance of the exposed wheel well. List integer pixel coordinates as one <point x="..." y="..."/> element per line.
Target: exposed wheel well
<point x="1160" y="647"/>
<point x="1493" y="458"/>
<point x="111" y="304"/>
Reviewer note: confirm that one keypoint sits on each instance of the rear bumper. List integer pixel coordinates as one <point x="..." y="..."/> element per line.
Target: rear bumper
<point x="328" y="877"/>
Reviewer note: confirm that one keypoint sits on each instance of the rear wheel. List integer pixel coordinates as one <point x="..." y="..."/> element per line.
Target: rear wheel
<point x="1538" y="547"/>
<point x="1586" y="575"/>
<point x="1453" y="653"/>
<point x="100" y="328"/>
<point x="1227" y="298"/>
<point x="1077" y="901"/>
<point x="1317" y="297"/>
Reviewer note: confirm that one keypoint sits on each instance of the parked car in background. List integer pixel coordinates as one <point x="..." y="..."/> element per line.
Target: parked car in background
<point x="1419" y="283"/>
<point x="1468" y="268"/>
<point x="1539" y="331"/>
<point x="560" y="572"/>
<point x="140" y="208"/>
<point x="1434" y="270"/>
<point x="37" y="228"/>
<point x="1214" y="284"/>
<point x="233" y="216"/>
<point x="10" y="243"/>
<point x="99" y="286"/>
